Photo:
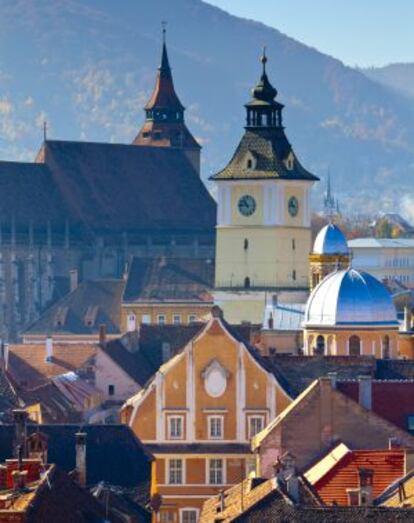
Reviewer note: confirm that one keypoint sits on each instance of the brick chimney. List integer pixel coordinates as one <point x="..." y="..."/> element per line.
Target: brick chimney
<point x="49" y="349"/>
<point x="102" y="333"/>
<point x="81" y="457"/>
<point x="20" y="426"/>
<point x="365" y="391"/>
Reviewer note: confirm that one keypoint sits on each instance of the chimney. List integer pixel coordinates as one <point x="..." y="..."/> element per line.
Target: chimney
<point x="49" y="349"/>
<point x="6" y="353"/>
<point x="394" y="443"/>
<point x="365" y="391"/>
<point x="365" y="486"/>
<point x="102" y="333"/>
<point x="81" y="457"/>
<point x="333" y="376"/>
<point x="19" y="479"/>
<point x="20" y="425"/>
<point x="74" y="279"/>
<point x="222" y="504"/>
<point x="270" y="321"/>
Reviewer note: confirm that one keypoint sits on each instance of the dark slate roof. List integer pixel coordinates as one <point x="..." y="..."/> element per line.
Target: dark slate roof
<point x="119" y="502"/>
<point x="29" y="193"/>
<point x="113" y="453"/>
<point x="177" y="280"/>
<point x="270" y="148"/>
<point x="199" y="448"/>
<point x="59" y="499"/>
<point x="114" y="188"/>
<point x="102" y="298"/>
<point x="296" y="373"/>
<point x="106" y="188"/>
<point x="135" y="363"/>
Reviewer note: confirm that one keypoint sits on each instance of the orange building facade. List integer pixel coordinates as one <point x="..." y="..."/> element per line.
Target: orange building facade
<point x="197" y="417"/>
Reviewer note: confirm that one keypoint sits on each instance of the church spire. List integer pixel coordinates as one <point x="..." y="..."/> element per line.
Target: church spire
<point x="164" y="124"/>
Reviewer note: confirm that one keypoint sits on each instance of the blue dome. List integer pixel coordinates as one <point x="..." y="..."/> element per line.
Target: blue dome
<point x="330" y="240"/>
<point x="350" y="298"/>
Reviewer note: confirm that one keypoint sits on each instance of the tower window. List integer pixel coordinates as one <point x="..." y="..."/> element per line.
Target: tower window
<point x="246" y="244"/>
<point x="247" y="283"/>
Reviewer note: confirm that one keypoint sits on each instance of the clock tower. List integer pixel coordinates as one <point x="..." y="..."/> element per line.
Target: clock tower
<point x="263" y="214"/>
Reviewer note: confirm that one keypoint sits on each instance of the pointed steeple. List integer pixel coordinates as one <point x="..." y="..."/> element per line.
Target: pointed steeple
<point x="164" y="124"/>
<point x="164" y="104"/>
<point x="263" y="110"/>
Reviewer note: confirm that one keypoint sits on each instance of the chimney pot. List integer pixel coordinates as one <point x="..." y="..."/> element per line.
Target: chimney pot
<point x="20" y="424"/>
<point x="74" y="279"/>
<point x="102" y="333"/>
<point x="81" y="457"/>
<point x="49" y="349"/>
<point x="365" y="391"/>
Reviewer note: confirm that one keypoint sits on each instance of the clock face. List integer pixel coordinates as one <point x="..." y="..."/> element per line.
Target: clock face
<point x="247" y="205"/>
<point x="293" y="206"/>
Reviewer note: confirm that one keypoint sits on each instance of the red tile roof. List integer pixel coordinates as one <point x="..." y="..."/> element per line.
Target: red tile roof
<point x="28" y="366"/>
<point x="388" y="465"/>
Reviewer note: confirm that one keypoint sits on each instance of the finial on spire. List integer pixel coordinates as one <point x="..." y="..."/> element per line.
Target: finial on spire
<point x="263" y="59"/>
<point x="164" y="30"/>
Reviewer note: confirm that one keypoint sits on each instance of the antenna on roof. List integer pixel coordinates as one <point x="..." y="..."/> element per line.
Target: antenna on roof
<point x="44" y="130"/>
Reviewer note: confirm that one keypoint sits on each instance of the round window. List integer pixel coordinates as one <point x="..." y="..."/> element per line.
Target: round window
<point x="215" y="382"/>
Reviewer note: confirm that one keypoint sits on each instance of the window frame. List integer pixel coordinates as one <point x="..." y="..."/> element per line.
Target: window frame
<point x="191" y="318"/>
<point x="164" y="321"/>
<point x="251" y="417"/>
<point x="168" y="475"/>
<point x="170" y="418"/>
<point x="209" y="471"/>
<point x="210" y="418"/>
<point x="174" y="317"/>
<point x="189" y="509"/>
<point x="111" y="389"/>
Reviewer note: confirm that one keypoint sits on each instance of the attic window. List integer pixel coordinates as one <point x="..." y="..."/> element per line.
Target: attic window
<point x="60" y="316"/>
<point x="90" y="316"/>
<point x="250" y="163"/>
<point x="290" y="161"/>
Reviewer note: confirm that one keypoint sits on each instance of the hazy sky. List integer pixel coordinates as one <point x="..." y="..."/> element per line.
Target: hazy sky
<point x="358" y="32"/>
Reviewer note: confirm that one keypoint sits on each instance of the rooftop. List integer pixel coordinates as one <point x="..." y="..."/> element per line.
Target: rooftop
<point x="170" y="280"/>
<point x="381" y="243"/>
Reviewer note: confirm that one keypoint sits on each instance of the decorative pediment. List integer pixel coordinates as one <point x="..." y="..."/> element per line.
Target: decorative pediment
<point x="215" y="379"/>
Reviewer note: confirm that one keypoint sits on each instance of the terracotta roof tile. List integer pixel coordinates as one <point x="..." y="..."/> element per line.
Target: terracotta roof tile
<point x="29" y="368"/>
<point x="387" y="465"/>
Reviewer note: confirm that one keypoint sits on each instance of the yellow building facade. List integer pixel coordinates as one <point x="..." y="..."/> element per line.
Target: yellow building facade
<point x="197" y="417"/>
<point x="263" y="235"/>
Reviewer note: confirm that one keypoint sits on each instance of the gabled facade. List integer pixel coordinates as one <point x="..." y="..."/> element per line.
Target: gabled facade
<point x="198" y="414"/>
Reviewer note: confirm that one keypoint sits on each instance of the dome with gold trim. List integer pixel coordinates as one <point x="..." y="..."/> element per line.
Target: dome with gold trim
<point x="348" y="299"/>
<point x="330" y="241"/>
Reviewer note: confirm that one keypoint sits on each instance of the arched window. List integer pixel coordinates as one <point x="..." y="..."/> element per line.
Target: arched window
<point x="320" y="345"/>
<point x="354" y="346"/>
<point x="386" y="347"/>
<point x="247" y="283"/>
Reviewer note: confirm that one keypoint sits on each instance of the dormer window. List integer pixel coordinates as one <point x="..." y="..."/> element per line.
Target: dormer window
<point x="290" y="161"/>
<point x="250" y="161"/>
